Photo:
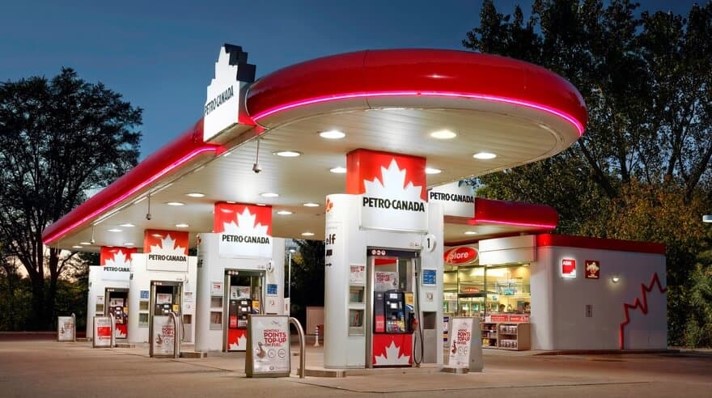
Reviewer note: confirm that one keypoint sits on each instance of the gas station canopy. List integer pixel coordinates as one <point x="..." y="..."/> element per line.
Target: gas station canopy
<point x="443" y="105"/>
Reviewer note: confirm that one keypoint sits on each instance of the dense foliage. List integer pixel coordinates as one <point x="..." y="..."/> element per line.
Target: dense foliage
<point x="59" y="138"/>
<point x="642" y="170"/>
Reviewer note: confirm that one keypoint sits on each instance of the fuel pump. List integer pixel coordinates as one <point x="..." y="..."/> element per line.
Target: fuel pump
<point x="165" y="325"/>
<point x="391" y="278"/>
<point x="244" y="294"/>
<point x="117" y="300"/>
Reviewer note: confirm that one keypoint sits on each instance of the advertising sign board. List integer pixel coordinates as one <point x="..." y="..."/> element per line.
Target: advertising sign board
<point x="268" y="351"/>
<point x="102" y="331"/>
<point x="465" y="353"/>
<point x="163" y="336"/>
<point x="66" y="328"/>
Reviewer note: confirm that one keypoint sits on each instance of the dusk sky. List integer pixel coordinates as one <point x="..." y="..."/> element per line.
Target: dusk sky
<point x="160" y="55"/>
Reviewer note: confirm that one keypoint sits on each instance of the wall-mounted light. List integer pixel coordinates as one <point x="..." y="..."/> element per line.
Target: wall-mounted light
<point x="707" y="218"/>
<point x="615" y="279"/>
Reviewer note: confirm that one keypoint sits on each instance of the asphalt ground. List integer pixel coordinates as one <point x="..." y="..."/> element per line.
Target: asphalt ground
<point x="46" y="368"/>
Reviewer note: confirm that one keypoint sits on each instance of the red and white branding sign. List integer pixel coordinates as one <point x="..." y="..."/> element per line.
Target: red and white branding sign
<point x="392" y="189"/>
<point x="568" y="268"/>
<point x="116" y="258"/>
<point x="392" y="349"/>
<point x="222" y="104"/>
<point x="245" y="230"/>
<point x="457" y="199"/>
<point x="593" y="269"/>
<point x="166" y="250"/>
<point x="461" y="255"/>
<point x="236" y="338"/>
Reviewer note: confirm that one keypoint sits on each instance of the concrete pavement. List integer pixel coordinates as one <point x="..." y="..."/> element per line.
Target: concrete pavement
<point x="50" y="368"/>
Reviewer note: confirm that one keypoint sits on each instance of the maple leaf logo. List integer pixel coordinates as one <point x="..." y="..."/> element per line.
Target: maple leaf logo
<point x="119" y="260"/>
<point x="329" y="205"/>
<point x="393" y="184"/>
<point x="392" y="356"/>
<point x="167" y="245"/>
<point x="120" y="333"/>
<point x="246" y="225"/>
<point x="239" y="344"/>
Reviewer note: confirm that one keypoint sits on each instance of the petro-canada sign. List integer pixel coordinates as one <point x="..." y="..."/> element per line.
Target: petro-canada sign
<point x="222" y="103"/>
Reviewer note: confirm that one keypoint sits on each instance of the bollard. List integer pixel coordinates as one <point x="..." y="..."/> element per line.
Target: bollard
<point x="316" y="330"/>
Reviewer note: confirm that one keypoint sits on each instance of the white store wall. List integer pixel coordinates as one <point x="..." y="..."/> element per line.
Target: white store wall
<point x="589" y="314"/>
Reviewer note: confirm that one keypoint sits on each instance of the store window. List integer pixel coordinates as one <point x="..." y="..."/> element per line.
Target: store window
<point x="479" y="290"/>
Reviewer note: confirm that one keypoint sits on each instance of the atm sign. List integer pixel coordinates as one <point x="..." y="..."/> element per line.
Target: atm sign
<point x="461" y="255"/>
<point x="568" y="268"/>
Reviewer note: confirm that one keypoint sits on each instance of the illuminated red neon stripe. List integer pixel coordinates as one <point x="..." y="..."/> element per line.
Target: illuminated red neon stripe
<point x="513" y="223"/>
<point x="643" y="305"/>
<point x="491" y="98"/>
<point x="57" y="235"/>
<point x="502" y="212"/>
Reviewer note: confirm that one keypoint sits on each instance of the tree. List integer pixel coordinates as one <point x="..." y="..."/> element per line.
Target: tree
<point x="307" y="278"/>
<point x="642" y="170"/>
<point x="58" y="139"/>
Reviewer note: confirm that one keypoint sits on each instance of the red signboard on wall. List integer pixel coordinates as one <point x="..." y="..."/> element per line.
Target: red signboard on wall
<point x="461" y="255"/>
<point x="592" y="269"/>
<point x="568" y="268"/>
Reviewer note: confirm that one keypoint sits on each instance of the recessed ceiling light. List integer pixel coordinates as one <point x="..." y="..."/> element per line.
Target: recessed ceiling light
<point x="288" y="154"/>
<point x="85" y="243"/>
<point x="284" y="212"/>
<point x="175" y="203"/>
<point x="114" y="230"/>
<point x="195" y="194"/>
<point x="128" y="243"/>
<point x="338" y="170"/>
<point x="269" y="194"/>
<point x="157" y="236"/>
<point x="470" y="232"/>
<point x="444" y="134"/>
<point x="332" y="135"/>
<point x="127" y="225"/>
<point x="432" y="170"/>
<point x="76" y="247"/>
<point x="307" y="233"/>
<point x="484" y="155"/>
<point x="311" y="204"/>
<point x="182" y="225"/>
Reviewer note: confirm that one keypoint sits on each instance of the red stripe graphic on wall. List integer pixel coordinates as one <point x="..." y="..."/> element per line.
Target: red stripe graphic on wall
<point x="642" y="305"/>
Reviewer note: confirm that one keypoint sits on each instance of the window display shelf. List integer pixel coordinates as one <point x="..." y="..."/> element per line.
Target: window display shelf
<point x="507" y="336"/>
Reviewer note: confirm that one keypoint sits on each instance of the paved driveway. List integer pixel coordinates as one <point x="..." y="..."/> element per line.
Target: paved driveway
<point x="53" y="369"/>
